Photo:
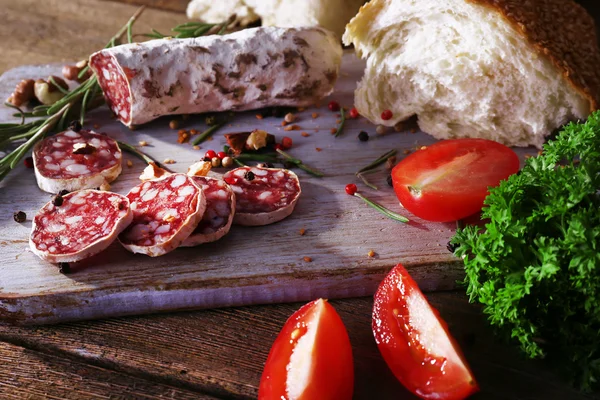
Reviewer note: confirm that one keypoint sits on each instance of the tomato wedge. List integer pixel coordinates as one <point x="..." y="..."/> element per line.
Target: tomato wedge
<point x="311" y="358"/>
<point x="449" y="180"/>
<point x="415" y="343"/>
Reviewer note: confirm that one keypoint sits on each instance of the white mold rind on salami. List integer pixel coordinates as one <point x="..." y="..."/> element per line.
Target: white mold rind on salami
<point x="58" y="168"/>
<point x="269" y="197"/>
<point x="218" y="217"/>
<point x="86" y="223"/>
<point x="165" y="212"/>
<point x="249" y="69"/>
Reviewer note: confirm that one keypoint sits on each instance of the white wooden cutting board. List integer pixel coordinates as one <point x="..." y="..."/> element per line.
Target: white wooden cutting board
<point x="251" y="265"/>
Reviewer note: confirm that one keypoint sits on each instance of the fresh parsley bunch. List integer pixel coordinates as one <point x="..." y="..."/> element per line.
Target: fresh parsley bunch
<point x="536" y="265"/>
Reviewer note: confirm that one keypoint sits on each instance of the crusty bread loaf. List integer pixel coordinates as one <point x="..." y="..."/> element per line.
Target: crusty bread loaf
<point x="329" y="14"/>
<point x="506" y="70"/>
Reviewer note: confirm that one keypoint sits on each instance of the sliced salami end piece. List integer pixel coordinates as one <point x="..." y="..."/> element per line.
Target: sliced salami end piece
<point x="165" y="212"/>
<point x="263" y="195"/>
<point x="86" y="223"/>
<point x="245" y="70"/>
<point x="220" y="209"/>
<point x="76" y="160"/>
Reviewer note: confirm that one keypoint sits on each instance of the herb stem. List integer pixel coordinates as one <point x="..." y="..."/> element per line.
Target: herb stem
<point x="366" y="182"/>
<point x="141" y="155"/>
<point x="298" y="163"/>
<point x="340" y="127"/>
<point x="383" y="158"/>
<point x="207" y="133"/>
<point x="385" y="211"/>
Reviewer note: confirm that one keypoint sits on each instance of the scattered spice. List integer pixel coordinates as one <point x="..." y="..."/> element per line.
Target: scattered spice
<point x="183" y="137"/>
<point x="390" y="162"/>
<point x="283" y="123"/>
<point x="286" y="143"/>
<point x="318" y="149"/>
<point x="334" y="106"/>
<point x="169" y="161"/>
<point x="337" y="121"/>
<point x="64" y="268"/>
<point x="302" y="231"/>
<point x="381" y="130"/>
<point x="300" y="109"/>
<point x="406" y="151"/>
<point x="333" y="131"/>
<point x="193" y="132"/>
<point x="291" y="128"/>
<point x="57" y="200"/>
<point x="227" y="162"/>
<point x="196" y="147"/>
<point x="354" y="113"/>
<point x="259" y="116"/>
<point x="129" y="163"/>
<point x="386" y="115"/>
<point x="413" y="130"/>
<point x="305" y="134"/>
<point x="249" y="176"/>
<point x="289" y="118"/>
<point x="143" y="143"/>
<point x="371" y="253"/>
<point x="352" y="190"/>
<point x="215" y="162"/>
<point x="307" y="259"/>
<point x="19" y="216"/>
<point x="363" y="136"/>
<point x="28" y="161"/>
<point x="399" y="127"/>
<point x="315" y="115"/>
<point x="174" y="124"/>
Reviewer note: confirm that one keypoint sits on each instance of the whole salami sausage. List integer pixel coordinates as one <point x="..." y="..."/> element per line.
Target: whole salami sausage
<point x="165" y="212"/>
<point x="76" y="160"/>
<point x="245" y="70"/>
<point x="81" y="224"/>
<point x="263" y="195"/>
<point x="220" y="208"/>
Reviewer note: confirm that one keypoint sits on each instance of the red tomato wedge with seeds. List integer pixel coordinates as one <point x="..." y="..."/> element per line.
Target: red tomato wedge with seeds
<point x="311" y="358"/>
<point x="415" y="343"/>
<point x="449" y="180"/>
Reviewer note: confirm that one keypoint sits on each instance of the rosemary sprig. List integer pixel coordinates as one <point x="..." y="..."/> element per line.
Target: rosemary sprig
<point x="193" y="29"/>
<point x="383" y="158"/>
<point x="385" y="211"/>
<point x="207" y="133"/>
<point x="364" y="179"/>
<point x="342" y="122"/>
<point x="141" y="155"/>
<point x="298" y="163"/>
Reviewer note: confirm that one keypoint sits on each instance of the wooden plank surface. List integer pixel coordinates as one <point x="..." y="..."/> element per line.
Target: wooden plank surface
<point x="251" y="265"/>
<point x="222" y="352"/>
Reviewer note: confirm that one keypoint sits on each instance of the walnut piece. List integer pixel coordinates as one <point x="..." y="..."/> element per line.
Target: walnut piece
<point x="23" y="93"/>
<point x="71" y="72"/>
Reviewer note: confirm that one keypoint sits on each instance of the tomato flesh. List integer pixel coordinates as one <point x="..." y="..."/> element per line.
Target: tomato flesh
<point x="415" y="343"/>
<point x="449" y="180"/>
<point x="311" y="358"/>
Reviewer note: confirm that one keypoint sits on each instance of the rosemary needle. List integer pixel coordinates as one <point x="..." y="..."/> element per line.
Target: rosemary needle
<point x="383" y="158"/>
<point x="342" y="122"/>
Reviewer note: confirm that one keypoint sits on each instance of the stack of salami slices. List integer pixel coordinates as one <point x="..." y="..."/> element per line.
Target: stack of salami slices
<point x="156" y="216"/>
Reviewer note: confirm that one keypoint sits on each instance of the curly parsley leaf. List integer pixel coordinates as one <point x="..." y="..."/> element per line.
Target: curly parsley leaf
<point x="536" y="265"/>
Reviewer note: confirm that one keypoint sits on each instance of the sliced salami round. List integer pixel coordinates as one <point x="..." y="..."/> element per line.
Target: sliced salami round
<point x="220" y="209"/>
<point x="76" y="160"/>
<point x="245" y="70"/>
<point x="263" y="195"/>
<point x="78" y="225"/>
<point x="165" y="212"/>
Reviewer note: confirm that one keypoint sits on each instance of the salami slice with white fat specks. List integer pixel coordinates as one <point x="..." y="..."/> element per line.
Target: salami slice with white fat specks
<point x="76" y="160"/>
<point x="165" y="212"/>
<point x="220" y="209"/>
<point x="86" y="223"/>
<point x="249" y="69"/>
<point x="263" y="195"/>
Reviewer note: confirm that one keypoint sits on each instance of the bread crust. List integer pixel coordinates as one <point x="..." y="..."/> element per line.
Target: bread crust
<point x="562" y="31"/>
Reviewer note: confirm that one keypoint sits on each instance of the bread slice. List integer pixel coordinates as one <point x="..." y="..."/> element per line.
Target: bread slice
<point x="510" y="71"/>
<point x="329" y="14"/>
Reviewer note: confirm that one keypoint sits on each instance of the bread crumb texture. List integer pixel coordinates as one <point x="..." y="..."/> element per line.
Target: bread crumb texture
<point x="510" y="71"/>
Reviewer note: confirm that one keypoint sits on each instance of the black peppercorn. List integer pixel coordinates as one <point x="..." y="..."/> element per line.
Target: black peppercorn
<point x="28" y="161"/>
<point x="389" y="180"/>
<point x="64" y="268"/>
<point x="75" y="126"/>
<point x="249" y="176"/>
<point x="363" y="136"/>
<point x="451" y="247"/>
<point x="20" y="216"/>
<point x="63" y="192"/>
<point x="57" y="200"/>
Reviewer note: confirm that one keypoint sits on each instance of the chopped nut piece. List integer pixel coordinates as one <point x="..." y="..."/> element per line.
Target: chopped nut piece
<point x="289" y="118"/>
<point x="152" y="171"/>
<point x="105" y="187"/>
<point x="338" y="121"/>
<point x="196" y="147"/>
<point x="300" y="109"/>
<point x="183" y="136"/>
<point x="307" y="259"/>
<point x="302" y="231"/>
<point x="314" y="115"/>
<point x="318" y="149"/>
<point x="381" y="130"/>
<point x="200" y="168"/>
<point x="174" y="124"/>
<point x="257" y="139"/>
<point x="291" y="128"/>
<point x="371" y="253"/>
<point x="143" y="143"/>
<point x="71" y="72"/>
<point x="168" y="161"/>
<point x="283" y="123"/>
<point x="399" y="127"/>
<point x="129" y="163"/>
<point x="23" y="93"/>
<point x="194" y="132"/>
<point x="413" y="130"/>
<point x="305" y="134"/>
<point x="259" y="116"/>
<point x="333" y="131"/>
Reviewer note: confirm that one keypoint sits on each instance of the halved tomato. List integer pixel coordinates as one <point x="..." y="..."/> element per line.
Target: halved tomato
<point x="449" y="180"/>
<point x="311" y="358"/>
<point x="415" y="343"/>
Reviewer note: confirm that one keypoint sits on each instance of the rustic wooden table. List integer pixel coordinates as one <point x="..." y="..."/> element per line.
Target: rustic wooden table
<point x="214" y="354"/>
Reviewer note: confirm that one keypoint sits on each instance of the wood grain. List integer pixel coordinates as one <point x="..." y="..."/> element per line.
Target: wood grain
<point x="222" y="352"/>
<point x="35" y="375"/>
<point x="251" y="265"/>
